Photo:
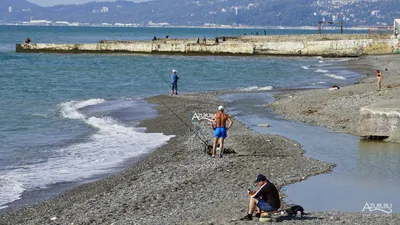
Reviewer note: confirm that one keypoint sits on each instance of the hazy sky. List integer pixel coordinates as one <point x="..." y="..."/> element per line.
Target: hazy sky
<point x="57" y="2"/>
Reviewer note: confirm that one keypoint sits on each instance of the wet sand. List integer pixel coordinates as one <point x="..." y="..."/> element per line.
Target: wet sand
<point x="179" y="184"/>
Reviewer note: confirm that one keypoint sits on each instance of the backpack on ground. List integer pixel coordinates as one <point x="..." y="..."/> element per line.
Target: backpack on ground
<point x="293" y="209"/>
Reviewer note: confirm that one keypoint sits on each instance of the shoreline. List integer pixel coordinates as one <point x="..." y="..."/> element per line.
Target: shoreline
<point x="129" y="197"/>
<point x="179" y="184"/>
<point x="339" y="109"/>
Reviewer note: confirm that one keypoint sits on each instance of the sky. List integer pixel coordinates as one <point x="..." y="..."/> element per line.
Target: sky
<point x="57" y="2"/>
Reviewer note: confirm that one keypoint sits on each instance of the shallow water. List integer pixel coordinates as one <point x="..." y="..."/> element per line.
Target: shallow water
<point x="365" y="172"/>
<point x="68" y="118"/>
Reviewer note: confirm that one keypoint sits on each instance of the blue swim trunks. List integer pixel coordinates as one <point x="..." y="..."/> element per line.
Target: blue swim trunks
<point x="220" y="132"/>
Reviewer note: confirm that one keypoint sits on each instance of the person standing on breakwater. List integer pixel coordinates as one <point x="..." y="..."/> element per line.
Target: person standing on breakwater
<point x="174" y="83"/>
<point x="379" y="76"/>
<point x="27" y="41"/>
<point x="266" y="198"/>
<point x="220" y="130"/>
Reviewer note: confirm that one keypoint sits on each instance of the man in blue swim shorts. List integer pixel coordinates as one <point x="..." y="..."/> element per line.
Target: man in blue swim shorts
<point x="220" y="130"/>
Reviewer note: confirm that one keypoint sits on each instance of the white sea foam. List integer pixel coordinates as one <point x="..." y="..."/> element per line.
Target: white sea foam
<point x="100" y="153"/>
<point x="305" y="67"/>
<point x="256" y="88"/>
<point x="69" y="110"/>
<point x="10" y="190"/>
<point x="319" y="82"/>
<point x="44" y="115"/>
<point x="343" y="59"/>
<point x="335" y="76"/>
<point x="321" y="71"/>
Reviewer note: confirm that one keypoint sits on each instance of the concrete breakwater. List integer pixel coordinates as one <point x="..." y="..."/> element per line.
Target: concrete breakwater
<point x="381" y="120"/>
<point x="328" y="45"/>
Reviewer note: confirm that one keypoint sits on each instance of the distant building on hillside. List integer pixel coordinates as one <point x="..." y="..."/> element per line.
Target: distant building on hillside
<point x="104" y="9"/>
<point x="396" y="24"/>
<point x="375" y="13"/>
<point x="37" y="22"/>
<point x="63" y="23"/>
<point x="162" y="24"/>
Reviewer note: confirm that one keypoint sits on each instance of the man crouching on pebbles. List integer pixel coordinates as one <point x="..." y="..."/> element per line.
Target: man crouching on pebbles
<point x="266" y="198"/>
<point x="220" y="130"/>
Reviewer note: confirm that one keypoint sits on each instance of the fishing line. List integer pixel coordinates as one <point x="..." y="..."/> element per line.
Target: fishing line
<point x="159" y="74"/>
<point x="199" y="127"/>
<point x="204" y="142"/>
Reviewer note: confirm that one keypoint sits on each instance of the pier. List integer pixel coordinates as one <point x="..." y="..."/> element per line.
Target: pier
<point x="327" y="45"/>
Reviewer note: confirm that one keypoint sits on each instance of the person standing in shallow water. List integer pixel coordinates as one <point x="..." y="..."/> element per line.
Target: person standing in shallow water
<point x="379" y="77"/>
<point x="220" y="130"/>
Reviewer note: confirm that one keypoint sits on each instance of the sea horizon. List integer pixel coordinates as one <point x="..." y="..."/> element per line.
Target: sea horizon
<point x="359" y="28"/>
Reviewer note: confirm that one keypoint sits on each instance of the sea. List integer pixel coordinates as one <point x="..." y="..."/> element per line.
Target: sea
<point x="69" y="119"/>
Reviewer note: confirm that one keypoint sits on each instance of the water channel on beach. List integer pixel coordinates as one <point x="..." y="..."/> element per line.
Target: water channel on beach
<point x="365" y="172"/>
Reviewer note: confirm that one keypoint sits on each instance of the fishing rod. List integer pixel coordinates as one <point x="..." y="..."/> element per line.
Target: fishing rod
<point x="159" y="74"/>
<point x="204" y="142"/>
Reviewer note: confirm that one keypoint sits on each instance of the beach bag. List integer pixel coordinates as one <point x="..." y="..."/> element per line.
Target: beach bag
<point x="292" y="210"/>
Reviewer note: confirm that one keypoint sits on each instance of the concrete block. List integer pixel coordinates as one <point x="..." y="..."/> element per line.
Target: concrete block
<point x="380" y="119"/>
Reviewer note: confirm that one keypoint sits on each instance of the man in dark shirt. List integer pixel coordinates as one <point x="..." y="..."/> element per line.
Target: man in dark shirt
<point x="266" y="198"/>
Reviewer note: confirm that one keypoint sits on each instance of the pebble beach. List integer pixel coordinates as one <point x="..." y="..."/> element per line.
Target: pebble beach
<point x="179" y="183"/>
<point x="339" y="109"/>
